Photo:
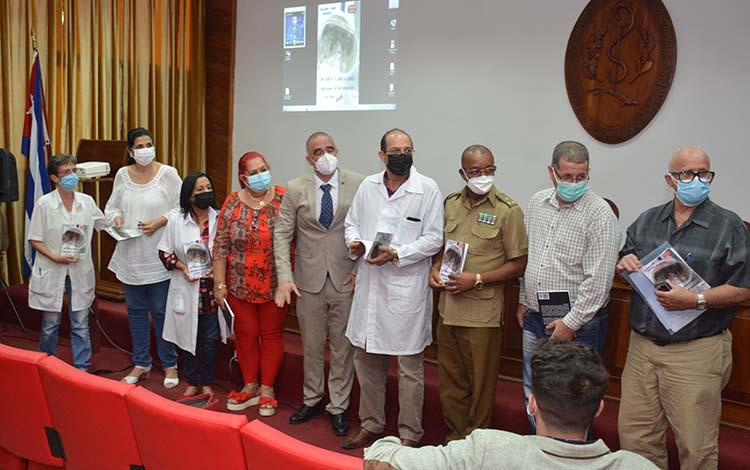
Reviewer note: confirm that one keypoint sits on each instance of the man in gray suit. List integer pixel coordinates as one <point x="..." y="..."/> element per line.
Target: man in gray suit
<point x="312" y="214"/>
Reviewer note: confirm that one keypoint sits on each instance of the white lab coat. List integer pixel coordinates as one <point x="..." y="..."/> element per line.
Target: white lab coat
<point x="181" y="314"/>
<point x="392" y="306"/>
<point x="47" y="284"/>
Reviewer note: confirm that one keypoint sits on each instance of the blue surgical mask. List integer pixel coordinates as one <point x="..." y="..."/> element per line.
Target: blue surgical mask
<point x="693" y="193"/>
<point x="69" y="181"/>
<point x="571" y="192"/>
<point x="260" y="182"/>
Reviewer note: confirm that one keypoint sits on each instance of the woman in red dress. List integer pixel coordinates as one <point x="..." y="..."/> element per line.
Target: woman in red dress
<point x="245" y="275"/>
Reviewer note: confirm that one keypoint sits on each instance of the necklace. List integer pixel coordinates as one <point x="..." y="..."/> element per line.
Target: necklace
<point x="262" y="201"/>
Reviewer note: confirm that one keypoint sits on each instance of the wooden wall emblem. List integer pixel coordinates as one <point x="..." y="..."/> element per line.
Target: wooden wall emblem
<point x="619" y="66"/>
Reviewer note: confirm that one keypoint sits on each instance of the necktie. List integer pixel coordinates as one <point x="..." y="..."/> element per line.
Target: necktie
<point x="326" y="207"/>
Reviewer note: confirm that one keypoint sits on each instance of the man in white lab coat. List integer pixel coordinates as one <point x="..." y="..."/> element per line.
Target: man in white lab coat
<point x="395" y="225"/>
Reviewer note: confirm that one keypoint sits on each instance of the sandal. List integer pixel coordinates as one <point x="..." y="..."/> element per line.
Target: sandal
<point x="242" y="400"/>
<point x="189" y="395"/>
<point x="137" y="374"/>
<point x="171" y="378"/>
<point x="268" y="406"/>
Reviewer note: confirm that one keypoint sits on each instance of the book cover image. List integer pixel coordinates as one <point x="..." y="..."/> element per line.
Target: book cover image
<point x="197" y="259"/>
<point x="381" y="239"/>
<point x="73" y="240"/>
<point x="553" y="305"/>
<point x="123" y="233"/>
<point x="669" y="266"/>
<point x="454" y="258"/>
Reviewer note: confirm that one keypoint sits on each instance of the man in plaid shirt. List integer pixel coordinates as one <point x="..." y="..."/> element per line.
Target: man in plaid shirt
<point x="573" y="247"/>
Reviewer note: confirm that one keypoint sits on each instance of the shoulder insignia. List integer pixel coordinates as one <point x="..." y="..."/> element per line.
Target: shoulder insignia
<point x="505" y="199"/>
<point x="452" y="196"/>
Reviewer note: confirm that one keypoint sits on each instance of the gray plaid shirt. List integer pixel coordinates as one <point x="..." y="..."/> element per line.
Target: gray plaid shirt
<point x="572" y="247"/>
<point x="713" y="241"/>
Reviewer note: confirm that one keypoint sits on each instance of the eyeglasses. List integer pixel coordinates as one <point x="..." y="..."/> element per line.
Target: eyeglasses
<point x="475" y="172"/>
<point x="397" y="151"/>
<point x="688" y="176"/>
<point x="571" y="179"/>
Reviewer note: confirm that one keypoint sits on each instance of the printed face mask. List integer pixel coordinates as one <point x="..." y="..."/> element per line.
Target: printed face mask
<point x="326" y="164"/>
<point x="144" y="156"/>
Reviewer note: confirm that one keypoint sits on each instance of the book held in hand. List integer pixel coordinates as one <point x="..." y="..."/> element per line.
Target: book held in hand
<point x="553" y="305"/>
<point x="454" y="258"/>
<point x="197" y="259"/>
<point x="659" y="268"/>
<point x="73" y="240"/>
<point x="381" y="239"/>
<point x="226" y="321"/>
<point x="123" y="233"/>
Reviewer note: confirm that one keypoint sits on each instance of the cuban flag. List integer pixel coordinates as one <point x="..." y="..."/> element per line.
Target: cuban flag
<point x="34" y="146"/>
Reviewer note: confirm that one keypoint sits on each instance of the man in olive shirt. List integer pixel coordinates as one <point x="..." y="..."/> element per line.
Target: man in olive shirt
<point x="471" y="302"/>
<point x="676" y="379"/>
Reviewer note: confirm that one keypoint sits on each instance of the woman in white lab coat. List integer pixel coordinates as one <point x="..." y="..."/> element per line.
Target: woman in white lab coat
<point x="60" y="230"/>
<point x="191" y="318"/>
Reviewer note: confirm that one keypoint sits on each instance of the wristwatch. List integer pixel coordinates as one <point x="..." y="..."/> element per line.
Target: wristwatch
<point x="394" y="254"/>
<point x="478" y="284"/>
<point x="701" y="301"/>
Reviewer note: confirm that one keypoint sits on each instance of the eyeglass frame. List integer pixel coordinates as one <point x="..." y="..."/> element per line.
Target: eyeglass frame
<point x="679" y="174"/>
<point x="574" y="180"/>
<point x="477" y="172"/>
<point x="397" y="151"/>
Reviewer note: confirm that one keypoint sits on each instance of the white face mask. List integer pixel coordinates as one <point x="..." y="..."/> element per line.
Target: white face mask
<point x="481" y="184"/>
<point x="144" y="156"/>
<point x="326" y="164"/>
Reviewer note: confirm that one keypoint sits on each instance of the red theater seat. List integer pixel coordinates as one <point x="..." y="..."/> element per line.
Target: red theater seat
<point x="10" y="461"/>
<point x="265" y="447"/>
<point x="91" y="415"/>
<point x="25" y="421"/>
<point x="172" y="436"/>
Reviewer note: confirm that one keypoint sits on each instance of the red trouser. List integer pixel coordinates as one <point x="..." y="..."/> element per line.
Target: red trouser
<point x="258" y="329"/>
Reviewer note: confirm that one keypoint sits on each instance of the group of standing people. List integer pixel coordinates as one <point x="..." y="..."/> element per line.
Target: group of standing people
<point x="321" y="240"/>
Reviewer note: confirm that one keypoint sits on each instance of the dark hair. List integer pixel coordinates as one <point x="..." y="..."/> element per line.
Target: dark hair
<point x="572" y="151"/>
<point x="395" y="130"/>
<point x="188" y="184"/>
<point x="54" y="164"/>
<point x="134" y="134"/>
<point x="568" y="381"/>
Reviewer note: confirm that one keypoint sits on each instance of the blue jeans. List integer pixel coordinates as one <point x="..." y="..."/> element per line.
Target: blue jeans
<point x="80" y="341"/>
<point x="593" y="333"/>
<point x="139" y="300"/>
<point x="207" y="346"/>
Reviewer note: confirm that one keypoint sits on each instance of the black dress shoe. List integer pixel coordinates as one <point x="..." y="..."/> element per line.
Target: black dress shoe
<point x="305" y="412"/>
<point x="340" y="424"/>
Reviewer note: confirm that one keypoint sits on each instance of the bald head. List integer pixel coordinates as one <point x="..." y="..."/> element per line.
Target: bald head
<point x="476" y="152"/>
<point x="689" y="159"/>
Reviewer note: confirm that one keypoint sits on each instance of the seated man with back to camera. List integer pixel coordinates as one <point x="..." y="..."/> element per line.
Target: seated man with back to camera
<point x="568" y="381"/>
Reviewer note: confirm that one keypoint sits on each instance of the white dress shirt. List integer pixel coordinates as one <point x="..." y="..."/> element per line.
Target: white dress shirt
<point x="136" y="261"/>
<point x="334" y="182"/>
<point x="47" y="284"/>
<point x="392" y="306"/>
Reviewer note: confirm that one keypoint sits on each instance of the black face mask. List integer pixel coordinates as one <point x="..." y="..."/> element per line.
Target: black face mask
<point x="400" y="164"/>
<point x="203" y="200"/>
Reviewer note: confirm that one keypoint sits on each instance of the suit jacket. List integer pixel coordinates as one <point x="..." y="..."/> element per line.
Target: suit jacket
<point x="319" y="252"/>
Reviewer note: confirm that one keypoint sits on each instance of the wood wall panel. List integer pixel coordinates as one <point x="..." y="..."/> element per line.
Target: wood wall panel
<point x="220" y="27"/>
<point x="735" y="398"/>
